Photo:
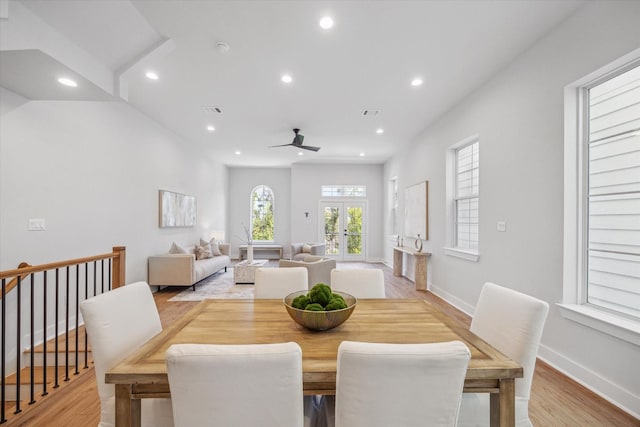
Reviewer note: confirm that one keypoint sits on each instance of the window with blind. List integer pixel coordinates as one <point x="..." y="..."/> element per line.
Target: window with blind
<point x="463" y="198"/>
<point x="467" y="196"/>
<point x="612" y="193"/>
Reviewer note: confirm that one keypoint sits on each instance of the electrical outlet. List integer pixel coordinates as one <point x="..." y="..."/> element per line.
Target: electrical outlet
<point x="502" y="226"/>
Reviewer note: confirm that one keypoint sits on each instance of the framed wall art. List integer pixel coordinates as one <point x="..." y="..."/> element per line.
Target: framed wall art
<point x="416" y="210"/>
<point x="177" y="210"/>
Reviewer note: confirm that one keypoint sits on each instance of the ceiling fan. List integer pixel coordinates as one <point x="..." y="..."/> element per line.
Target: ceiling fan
<point x="297" y="142"/>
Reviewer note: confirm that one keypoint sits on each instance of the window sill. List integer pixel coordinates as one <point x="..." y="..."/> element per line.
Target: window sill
<point x="464" y="254"/>
<point x="624" y="329"/>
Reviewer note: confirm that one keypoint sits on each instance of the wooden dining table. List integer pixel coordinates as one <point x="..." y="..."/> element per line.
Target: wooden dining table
<point x="143" y="374"/>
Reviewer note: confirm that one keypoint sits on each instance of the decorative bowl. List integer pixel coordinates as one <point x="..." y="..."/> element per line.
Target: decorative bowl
<point x="320" y="320"/>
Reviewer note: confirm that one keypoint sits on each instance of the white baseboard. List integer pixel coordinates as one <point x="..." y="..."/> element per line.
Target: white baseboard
<point x="623" y="399"/>
<point x="453" y="300"/>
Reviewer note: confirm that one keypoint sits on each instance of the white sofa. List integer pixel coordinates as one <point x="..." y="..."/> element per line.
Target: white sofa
<point x="184" y="269"/>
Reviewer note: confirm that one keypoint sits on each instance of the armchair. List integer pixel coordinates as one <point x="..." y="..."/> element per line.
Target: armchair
<point x="319" y="268"/>
<point x="301" y="250"/>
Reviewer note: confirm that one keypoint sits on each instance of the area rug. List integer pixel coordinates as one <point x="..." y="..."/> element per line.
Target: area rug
<point x="217" y="286"/>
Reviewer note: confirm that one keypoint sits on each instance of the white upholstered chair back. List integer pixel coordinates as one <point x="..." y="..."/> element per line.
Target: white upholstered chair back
<point x="277" y="283"/>
<point x="236" y="385"/>
<point x="512" y="322"/>
<point x="399" y="384"/>
<point x="360" y="282"/>
<point x="117" y="323"/>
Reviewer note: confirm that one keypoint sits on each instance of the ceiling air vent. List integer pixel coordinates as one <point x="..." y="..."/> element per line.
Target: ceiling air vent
<point x="211" y="109"/>
<point x="370" y="112"/>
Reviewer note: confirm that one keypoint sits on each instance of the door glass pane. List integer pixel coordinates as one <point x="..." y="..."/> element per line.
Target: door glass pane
<point x="332" y="230"/>
<point x="354" y="230"/>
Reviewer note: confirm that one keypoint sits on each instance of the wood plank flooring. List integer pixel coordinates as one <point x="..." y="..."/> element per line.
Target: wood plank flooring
<point x="556" y="400"/>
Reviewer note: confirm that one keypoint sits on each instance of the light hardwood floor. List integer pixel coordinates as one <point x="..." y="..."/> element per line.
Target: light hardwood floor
<point x="555" y="399"/>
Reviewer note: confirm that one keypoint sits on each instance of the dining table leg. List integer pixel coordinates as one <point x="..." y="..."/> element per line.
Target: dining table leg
<point x="128" y="410"/>
<point x="503" y="404"/>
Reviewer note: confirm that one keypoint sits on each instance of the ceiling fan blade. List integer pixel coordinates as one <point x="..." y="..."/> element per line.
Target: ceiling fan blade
<point x="283" y="145"/>
<point x="308" y="147"/>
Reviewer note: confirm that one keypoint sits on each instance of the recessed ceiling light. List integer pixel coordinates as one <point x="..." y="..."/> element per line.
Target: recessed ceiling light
<point x="67" y="82"/>
<point x="300" y="153"/>
<point x="379" y="131"/>
<point x="151" y="75"/>
<point x="286" y="78"/>
<point x="361" y="154"/>
<point x="326" y="22"/>
<point x="238" y="153"/>
<point x="210" y="128"/>
<point x="416" y="82"/>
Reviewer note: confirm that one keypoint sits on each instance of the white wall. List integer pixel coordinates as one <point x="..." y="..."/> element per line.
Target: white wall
<point x="92" y="171"/>
<point x="518" y="115"/>
<point x="306" y="183"/>
<point x="242" y="181"/>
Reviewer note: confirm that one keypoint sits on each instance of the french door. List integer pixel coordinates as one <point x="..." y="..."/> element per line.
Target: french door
<point x="343" y="227"/>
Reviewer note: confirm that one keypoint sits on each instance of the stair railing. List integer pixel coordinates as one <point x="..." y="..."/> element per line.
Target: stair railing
<point x="68" y="278"/>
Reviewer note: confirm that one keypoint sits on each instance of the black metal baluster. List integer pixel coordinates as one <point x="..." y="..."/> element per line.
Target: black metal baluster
<point x="44" y="340"/>
<point x="18" y="345"/>
<point x="76" y="372"/>
<point x="86" y="296"/>
<point x="3" y="396"/>
<point x="66" y="333"/>
<point x="95" y="278"/>
<point x="102" y="274"/>
<point x="32" y="373"/>
<point x="109" y="282"/>
<point x="56" y="345"/>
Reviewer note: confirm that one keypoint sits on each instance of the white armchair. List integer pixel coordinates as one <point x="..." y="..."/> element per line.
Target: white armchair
<point x="300" y="250"/>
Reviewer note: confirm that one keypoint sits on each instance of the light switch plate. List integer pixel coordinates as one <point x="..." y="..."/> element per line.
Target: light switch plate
<point x="502" y="226"/>
<point x="36" y="224"/>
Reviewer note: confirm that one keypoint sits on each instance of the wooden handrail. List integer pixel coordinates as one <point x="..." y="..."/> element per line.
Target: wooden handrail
<point x="12" y="284"/>
<point x="118" y="267"/>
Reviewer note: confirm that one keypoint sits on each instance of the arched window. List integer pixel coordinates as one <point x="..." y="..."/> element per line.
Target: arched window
<point x="262" y="217"/>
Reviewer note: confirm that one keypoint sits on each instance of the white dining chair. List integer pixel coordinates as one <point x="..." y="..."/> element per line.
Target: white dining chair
<point x="117" y="323"/>
<point x="277" y="283"/>
<point x="359" y="282"/>
<point x="236" y="385"/>
<point x="512" y="322"/>
<point x="396" y="385"/>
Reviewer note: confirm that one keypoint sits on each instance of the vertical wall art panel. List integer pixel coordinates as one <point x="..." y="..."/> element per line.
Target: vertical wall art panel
<point x="416" y="210"/>
<point x="177" y="210"/>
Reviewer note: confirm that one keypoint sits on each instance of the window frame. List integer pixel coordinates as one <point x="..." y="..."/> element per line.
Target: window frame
<point x="452" y="247"/>
<point x="251" y="212"/>
<point x="574" y="304"/>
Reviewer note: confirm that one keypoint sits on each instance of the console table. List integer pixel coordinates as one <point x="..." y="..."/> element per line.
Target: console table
<point x="420" y="273"/>
<point x="261" y="248"/>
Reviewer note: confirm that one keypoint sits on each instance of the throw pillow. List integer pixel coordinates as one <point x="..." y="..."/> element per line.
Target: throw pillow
<point x="215" y="247"/>
<point x="312" y="258"/>
<point x="204" y="251"/>
<point x="177" y="249"/>
<point x="306" y="248"/>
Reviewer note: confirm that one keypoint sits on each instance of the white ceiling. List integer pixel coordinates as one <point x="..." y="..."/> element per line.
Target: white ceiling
<point x="366" y="61"/>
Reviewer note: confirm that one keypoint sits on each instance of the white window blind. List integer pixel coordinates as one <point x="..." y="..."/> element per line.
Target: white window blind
<point x="467" y="171"/>
<point x="613" y="204"/>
